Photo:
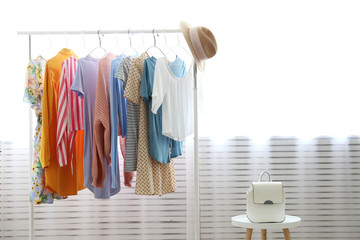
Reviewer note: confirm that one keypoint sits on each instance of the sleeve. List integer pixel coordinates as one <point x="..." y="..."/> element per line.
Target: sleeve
<point x="144" y="92"/>
<point x="62" y="116"/>
<point x="30" y="94"/>
<point x="119" y="71"/>
<point x="45" y="131"/>
<point x="123" y="113"/>
<point x="121" y="75"/>
<point x="98" y="163"/>
<point x="76" y="100"/>
<point x="78" y="84"/>
<point x="159" y="88"/>
<point x="114" y="116"/>
<point x="132" y="88"/>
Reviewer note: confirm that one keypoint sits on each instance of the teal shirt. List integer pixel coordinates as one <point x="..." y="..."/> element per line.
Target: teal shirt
<point x="161" y="148"/>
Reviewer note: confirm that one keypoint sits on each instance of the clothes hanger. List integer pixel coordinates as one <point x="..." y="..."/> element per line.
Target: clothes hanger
<point x="98" y="48"/>
<point x="158" y="50"/>
<point x="116" y="40"/>
<point x="83" y="39"/>
<point x="45" y="51"/>
<point x="142" y="40"/>
<point x="130" y="49"/>
<point x="66" y="41"/>
<point x="170" y="55"/>
<point x="180" y="51"/>
<point x="166" y="47"/>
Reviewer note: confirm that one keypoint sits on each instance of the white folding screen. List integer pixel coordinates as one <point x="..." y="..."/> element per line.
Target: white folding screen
<point x="321" y="179"/>
<point x="124" y="216"/>
<point x="14" y="192"/>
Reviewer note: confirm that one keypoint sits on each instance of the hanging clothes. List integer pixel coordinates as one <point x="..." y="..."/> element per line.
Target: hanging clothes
<point x="85" y="86"/>
<point x="102" y="132"/>
<point x="152" y="177"/>
<point x="62" y="180"/>
<point x="33" y="95"/>
<point x="161" y="148"/>
<point x="69" y="112"/>
<point x="177" y="100"/>
<point x="122" y="74"/>
<point x="132" y="118"/>
<point x="117" y="112"/>
<point x="70" y="121"/>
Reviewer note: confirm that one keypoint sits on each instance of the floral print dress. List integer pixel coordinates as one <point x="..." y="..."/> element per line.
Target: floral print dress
<point x="33" y="94"/>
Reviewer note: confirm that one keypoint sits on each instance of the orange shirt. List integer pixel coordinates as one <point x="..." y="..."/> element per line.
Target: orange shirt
<point x="69" y="179"/>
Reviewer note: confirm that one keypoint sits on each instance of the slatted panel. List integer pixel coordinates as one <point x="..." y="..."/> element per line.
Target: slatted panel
<point x="14" y="192"/>
<point x="124" y="216"/>
<point x="321" y="181"/>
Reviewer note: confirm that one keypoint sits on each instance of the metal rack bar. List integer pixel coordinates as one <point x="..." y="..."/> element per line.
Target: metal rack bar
<point x="136" y="31"/>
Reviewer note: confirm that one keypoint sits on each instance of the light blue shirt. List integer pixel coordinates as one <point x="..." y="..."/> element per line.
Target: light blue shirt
<point x="117" y="112"/>
<point x="161" y="148"/>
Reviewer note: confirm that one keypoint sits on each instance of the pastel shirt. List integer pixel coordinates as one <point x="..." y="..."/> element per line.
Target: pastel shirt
<point x="122" y="74"/>
<point x="116" y="113"/>
<point x="176" y="96"/>
<point x="85" y="86"/>
<point x="102" y="133"/>
<point x="161" y="148"/>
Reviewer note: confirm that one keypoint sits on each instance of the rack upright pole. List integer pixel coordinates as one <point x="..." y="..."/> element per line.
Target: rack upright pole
<point x="31" y="135"/>
<point x="196" y="158"/>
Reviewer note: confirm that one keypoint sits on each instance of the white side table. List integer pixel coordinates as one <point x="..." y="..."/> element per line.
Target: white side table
<point x="243" y="221"/>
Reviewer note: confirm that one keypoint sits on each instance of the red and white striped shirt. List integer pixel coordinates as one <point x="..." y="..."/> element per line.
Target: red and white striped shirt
<point x="69" y="112"/>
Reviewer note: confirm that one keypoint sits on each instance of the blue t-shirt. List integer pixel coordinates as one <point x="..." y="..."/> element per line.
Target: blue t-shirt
<point x="161" y="148"/>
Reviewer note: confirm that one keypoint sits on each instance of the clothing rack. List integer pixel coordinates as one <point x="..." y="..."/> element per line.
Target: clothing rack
<point x="196" y="131"/>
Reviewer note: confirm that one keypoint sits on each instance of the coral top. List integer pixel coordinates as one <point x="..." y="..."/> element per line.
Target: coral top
<point x="102" y="133"/>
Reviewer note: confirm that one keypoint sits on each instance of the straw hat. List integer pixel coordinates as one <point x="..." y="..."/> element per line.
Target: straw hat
<point x="201" y="42"/>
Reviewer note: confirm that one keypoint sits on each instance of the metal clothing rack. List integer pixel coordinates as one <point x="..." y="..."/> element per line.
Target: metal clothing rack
<point x="196" y="131"/>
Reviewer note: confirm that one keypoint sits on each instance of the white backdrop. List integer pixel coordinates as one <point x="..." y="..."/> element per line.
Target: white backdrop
<point x="284" y="68"/>
<point x="287" y="68"/>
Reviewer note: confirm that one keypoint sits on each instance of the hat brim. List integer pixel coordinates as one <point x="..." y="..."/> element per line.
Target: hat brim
<point x="184" y="26"/>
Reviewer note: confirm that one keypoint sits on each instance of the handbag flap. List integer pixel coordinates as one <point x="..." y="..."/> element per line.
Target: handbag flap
<point x="268" y="192"/>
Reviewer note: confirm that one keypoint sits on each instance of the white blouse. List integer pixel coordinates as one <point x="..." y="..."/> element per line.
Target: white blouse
<point x="177" y="99"/>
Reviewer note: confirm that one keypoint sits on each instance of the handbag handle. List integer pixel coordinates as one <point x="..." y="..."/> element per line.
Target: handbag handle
<point x="260" y="177"/>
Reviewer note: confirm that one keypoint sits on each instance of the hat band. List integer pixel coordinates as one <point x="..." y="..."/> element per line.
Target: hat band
<point x="195" y="40"/>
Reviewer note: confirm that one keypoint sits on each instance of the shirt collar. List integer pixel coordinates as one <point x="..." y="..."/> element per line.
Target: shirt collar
<point x="67" y="51"/>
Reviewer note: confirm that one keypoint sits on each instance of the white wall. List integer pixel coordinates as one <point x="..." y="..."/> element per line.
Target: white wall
<point x="274" y="57"/>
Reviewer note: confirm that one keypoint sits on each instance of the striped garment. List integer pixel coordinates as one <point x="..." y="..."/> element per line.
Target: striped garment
<point x="132" y="113"/>
<point x="69" y="112"/>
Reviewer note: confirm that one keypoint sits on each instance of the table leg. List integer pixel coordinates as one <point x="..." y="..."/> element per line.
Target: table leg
<point x="248" y="234"/>
<point x="286" y="234"/>
<point x="263" y="234"/>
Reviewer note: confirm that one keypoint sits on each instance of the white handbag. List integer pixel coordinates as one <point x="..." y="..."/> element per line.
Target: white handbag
<point x="265" y="201"/>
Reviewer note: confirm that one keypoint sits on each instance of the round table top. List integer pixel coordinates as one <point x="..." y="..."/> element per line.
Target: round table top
<point x="243" y="221"/>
